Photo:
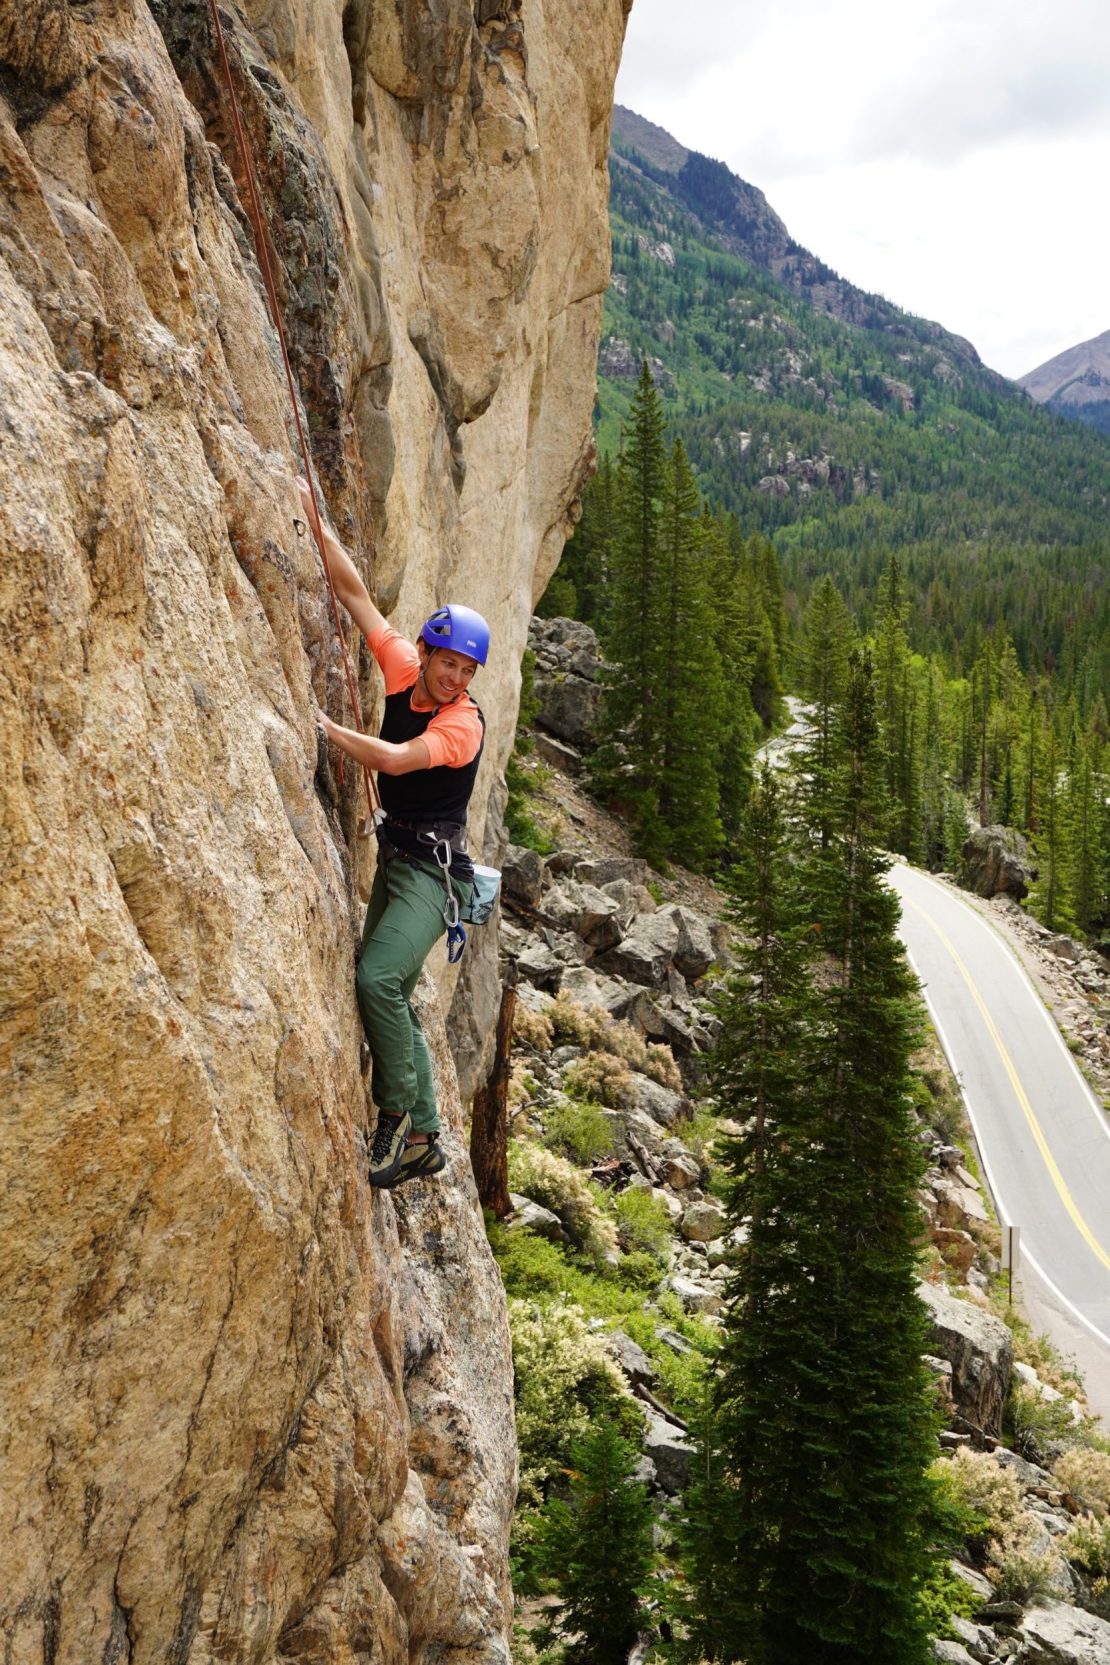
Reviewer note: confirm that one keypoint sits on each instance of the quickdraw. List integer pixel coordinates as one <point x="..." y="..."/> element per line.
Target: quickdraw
<point x="456" y="935"/>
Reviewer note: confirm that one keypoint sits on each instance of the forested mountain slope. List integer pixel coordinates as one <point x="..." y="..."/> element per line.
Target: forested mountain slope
<point x="836" y="423"/>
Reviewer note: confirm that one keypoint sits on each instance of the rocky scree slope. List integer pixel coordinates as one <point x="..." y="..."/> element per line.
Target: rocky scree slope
<point x="617" y="967"/>
<point x="250" y="1413"/>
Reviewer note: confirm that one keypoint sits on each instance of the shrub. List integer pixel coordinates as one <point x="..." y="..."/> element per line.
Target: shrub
<point x="1087" y="1547"/>
<point x="1040" y="1428"/>
<point x="557" y="1184"/>
<point x="639" y="1270"/>
<point x="531" y="1266"/>
<point x="573" y="1024"/>
<point x="563" y="1378"/>
<point x="643" y="1223"/>
<point x="944" y="1596"/>
<point x="580" y="1131"/>
<point x="603" y="1078"/>
<point x="990" y="1495"/>
<point x="955" y="1523"/>
<point x="1087" y="1475"/>
<point x="532" y="1029"/>
<point x="1020" y="1572"/>
<point x="577" y="1025"/>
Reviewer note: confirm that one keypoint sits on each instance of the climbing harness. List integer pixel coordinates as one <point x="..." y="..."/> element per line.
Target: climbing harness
<point x="444" y="841"/>
<point x="254" y="214"/>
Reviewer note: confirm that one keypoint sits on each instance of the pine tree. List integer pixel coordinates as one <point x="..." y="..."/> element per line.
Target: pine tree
<point x="597" y="1546"/>
<point x="691" y="692"/>
<point x="823" y="1412"/>
<point x="826" y="643"/>
<point x="854" y="1534"/>
<point x="759" y="1077"/>
<point x="891" y="659"/>
<point x="626" y="763"/>
<point x="1086" y="853"/>
<point x="1048" y="894"/>
<point x="588" y="556"/>
<point x="740" y="727"/>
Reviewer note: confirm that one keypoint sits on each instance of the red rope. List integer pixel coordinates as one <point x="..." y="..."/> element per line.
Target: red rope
<point x="254" y="214"/>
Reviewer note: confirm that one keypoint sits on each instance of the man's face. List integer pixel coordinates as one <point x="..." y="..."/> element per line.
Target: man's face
<point x="446" y="673"/>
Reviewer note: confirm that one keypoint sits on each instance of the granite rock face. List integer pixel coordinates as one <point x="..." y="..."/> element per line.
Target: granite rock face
<point x="250" y="1412"/>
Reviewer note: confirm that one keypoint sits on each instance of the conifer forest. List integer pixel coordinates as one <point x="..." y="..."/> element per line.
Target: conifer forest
<point x="807" y="504"/>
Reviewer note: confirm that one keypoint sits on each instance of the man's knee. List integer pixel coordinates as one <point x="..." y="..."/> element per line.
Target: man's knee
<point x="376" y="983"/>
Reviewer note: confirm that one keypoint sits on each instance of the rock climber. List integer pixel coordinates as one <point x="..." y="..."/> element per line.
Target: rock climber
<point x="426" y="756"/>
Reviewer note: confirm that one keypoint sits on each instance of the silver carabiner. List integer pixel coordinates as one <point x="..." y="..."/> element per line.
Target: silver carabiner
<point x="451" y="906"/>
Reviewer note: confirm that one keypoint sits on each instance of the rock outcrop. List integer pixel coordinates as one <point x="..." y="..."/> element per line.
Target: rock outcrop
<point x="250" y="1412"/>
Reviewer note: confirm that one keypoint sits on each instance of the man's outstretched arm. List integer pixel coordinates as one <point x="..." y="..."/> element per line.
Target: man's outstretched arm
<point x="349" y="588"/>
<point x="384" y="755"/>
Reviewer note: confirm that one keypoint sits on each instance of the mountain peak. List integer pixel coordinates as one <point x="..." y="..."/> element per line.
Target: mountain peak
<point x="653" y="143"/>
<point x="1076" y="382"/>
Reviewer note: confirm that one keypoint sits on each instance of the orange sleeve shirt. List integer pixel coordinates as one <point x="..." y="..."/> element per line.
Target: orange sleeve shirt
<point x="454" y="734"/>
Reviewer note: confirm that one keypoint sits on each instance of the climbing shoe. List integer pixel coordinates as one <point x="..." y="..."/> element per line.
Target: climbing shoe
<point x="388" y="1147"/>
<point x="420" y="1161"/>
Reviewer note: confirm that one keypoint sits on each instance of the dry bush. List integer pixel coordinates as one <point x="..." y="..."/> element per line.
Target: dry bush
<point x="980" y="1484"/>
<point x="1086" y="1474"/>
<point x="602" y="1079"/>
<point x="532" y="1029"/>
<point x="1019" y="1570"/>
<point x="591" y="1027"/>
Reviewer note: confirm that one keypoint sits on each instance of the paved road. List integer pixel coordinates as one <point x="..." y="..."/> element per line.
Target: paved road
<point x="1043" y="1138"/>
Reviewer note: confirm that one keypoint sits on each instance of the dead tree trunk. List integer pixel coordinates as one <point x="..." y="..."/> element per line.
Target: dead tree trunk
<point x="489" y="1116"/>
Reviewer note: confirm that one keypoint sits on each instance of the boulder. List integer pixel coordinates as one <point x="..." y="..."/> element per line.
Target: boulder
<point x="606" y="870"/>
<point x="584" y="985"/>
<point x="1059" y="1635"/>
<point x="585" y="910"/>
<point x="535" y="1217"/>
<point x="980" y="1350"/>
<point x="661" y="1103"/>
<point x="980" y="1642"/>
<point x="694" y="953"/>
<point x="952" y="1653"/>
<point x="976" y="1581"/>
<point x="630" y="899"/>
<point x="539" y="965"/>
<point x="522" y="874"/>
<point x="996" y="862"/>
<point x="669" y="1449"/>
<point x="957" y="1248"/>
<point x="680" y="1167"/>
<point x="631" y="1358"/>
<point x="559" y="755"/>
<point x="644" y="955"/>
<point x="568" y="707"/>
<point x="956" y="1204"/>
<point x="695" y="1296"/>
<point x="703" y="1222"/>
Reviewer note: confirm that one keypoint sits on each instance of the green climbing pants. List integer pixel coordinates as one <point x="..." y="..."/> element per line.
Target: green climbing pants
<point x="404" y="920"/>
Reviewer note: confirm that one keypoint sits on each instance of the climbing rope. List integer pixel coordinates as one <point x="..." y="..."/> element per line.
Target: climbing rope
<point x="254" y="214"/>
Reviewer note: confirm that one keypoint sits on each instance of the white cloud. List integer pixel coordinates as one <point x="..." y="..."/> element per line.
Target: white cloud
<point x="951" y="154"/>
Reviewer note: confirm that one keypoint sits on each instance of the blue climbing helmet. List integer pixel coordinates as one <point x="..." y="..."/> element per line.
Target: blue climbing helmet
<point x="459" y="628"/>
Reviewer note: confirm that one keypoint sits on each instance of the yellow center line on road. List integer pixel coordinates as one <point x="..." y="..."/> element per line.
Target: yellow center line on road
<point x="1019" y="1092"/>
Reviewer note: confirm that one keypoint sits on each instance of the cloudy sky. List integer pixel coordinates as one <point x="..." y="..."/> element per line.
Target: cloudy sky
<point x="953" y="155"/>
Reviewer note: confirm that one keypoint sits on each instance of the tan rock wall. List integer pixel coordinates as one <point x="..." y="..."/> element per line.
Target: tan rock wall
<point x="249" y="1412"/>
